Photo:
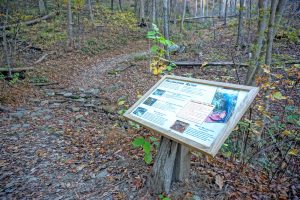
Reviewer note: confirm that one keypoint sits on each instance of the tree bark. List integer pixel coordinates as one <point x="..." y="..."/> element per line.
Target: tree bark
<point x="112" y="5"/>
<point x="5" y="48"/>
<point x="70" y="25"/>
<point x="166" y="19"/>
<point x="91" y="11"/>
<point x="240" y="26"/>
<point x="154" y="11"/>
<point x="175" y="12"/>
<point x="279" y="11"/>
<point x="142" y="10"/>
<point x="260" y="36"/>
<point x="226" y="9"/>
<point x="182" y="163"/>
<point x="172" y="163"/>
<point x="270" y="36"/>
<point x="120" y="5"/>
<point x="162" y="172"/>
<point x="183" y="16"/>
<point x="196" y="8"/>
<point x="42" y="7"/>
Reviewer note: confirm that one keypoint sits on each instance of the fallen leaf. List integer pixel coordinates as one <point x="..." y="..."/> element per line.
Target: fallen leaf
<point x="219" y="181"/>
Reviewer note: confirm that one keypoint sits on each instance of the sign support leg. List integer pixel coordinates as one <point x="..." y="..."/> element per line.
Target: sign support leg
<point x="172" y="163"/>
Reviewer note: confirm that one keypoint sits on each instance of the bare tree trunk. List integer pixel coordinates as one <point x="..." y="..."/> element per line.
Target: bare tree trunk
<point x="206" y="2"/>
<point x="213" y="20"/>
<point x="226" y="9"/>
<point x="166" y="19"/>
<point x="112" y="5"/>
<point x="260" y="36"/>
<point x="279" y="11"/>
<point x="220" y="8"/>
<point x="166" y="24"/>
<point x="249" y="29"/>
<point x="175" y="11"/>
<point x="91" y="11"/>
<point x="271" y="33"/>
<point x="154" y="11"/>
<point x="70" y="25"/>
<point x="240" y="26"/>
<point x="120" y="5"/>
<point x="5" y="48"/>
<point x="183" y="16"/>
<point x="203" y="7"/>
<point x="42" y="7"/>
<point x="196" y="8"/>
<point x="142" y="10"/>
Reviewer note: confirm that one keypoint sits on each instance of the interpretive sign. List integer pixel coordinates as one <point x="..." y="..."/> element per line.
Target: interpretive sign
<point x="198" y="113"/>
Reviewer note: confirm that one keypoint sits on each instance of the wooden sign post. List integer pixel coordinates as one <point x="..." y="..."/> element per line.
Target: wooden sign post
<point x="188" y="113"/>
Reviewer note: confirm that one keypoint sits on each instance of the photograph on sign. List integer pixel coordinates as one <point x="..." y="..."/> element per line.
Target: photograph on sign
<point x="191" y="111"/>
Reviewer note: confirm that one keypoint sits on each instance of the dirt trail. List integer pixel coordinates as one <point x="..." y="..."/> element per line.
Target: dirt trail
<point x="91" y="76"/>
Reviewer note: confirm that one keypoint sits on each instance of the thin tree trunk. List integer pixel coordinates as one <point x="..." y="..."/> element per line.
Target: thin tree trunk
<point x="91" y="11"/>
<point x="206" y="1"/>
<point x="220" y="8"/>
<point x="271" y="33"/>
<point x="249" y="28"/>
<point x="153" y="11"/>
<point x="42" y="7"/>
<point x="260" y="36"/>
<point x="166" y="19"/>
<point x="240" y="26"/>
<point x="196" y="8"/>
<point x="112" y="5"/>
<point x="175" y="11"/>
<point x="70" y="25"/>
<point x="166" y="24"/>
<point x="5" y="48"/>
<point x="226" y="9"/>
<point x="183" y="16"/>
<point x="203" y="8"/>
<point x="213" y="20"/>
<point x="279" y="11"/>
<point x="120" y="5"/>
<point x="142" y="10"/>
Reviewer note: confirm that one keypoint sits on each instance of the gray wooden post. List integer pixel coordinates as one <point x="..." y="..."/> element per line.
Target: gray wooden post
<point x="172" y="163"/>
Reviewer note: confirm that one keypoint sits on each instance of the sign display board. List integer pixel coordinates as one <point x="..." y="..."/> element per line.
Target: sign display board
<point x="198" y="113"/>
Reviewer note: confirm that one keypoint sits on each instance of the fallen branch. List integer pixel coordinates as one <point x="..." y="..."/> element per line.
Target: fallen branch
<point x="292" y="62"/>
<point x="30" y="22"/>
<point x="221" y="63"/>
<point x="190" y="19"/>
<point x="192" y="64"/>
<point x="45" y="84"/>
<point x="41" y="59"/>
<point x="14" y="70"/>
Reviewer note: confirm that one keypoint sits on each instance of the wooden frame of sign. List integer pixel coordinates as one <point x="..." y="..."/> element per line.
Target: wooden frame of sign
<point x="170" y="108"/>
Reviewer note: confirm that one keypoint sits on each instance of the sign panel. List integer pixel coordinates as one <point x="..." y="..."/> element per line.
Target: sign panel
<point x="197" y="113"/>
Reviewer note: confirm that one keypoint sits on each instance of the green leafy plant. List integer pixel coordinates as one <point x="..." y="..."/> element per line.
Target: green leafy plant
<point x="146" y="146"/>
<point x="163" y="197"/>
<point x="158" y="63"/>
<point x="15" y="78"/>
<point x="2" y="77"/>
<point x="122" y="105"/>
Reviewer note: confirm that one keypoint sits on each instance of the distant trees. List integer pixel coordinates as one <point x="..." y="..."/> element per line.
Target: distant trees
<point x="267" y="18"/>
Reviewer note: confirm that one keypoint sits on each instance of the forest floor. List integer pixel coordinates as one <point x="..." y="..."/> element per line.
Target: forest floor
<point x="67" y="140"/>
